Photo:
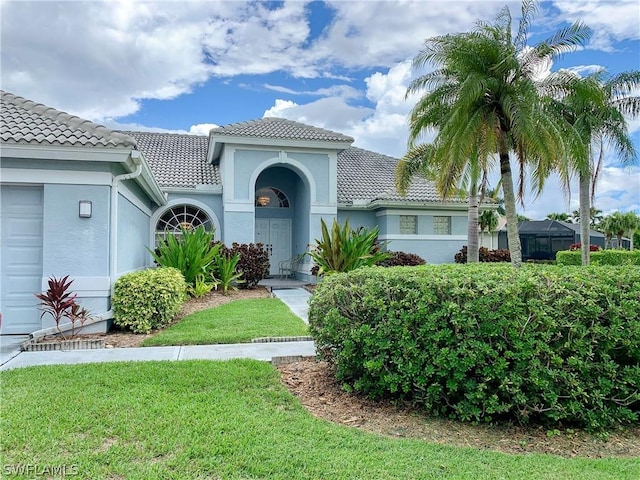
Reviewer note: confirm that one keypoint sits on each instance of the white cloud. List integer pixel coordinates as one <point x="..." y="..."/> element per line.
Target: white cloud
<point x="201" y="128"/>
<point x="610" y="21"/>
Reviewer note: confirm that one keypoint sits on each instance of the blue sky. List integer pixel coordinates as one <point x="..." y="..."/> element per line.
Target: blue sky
<point x="189" y="66"/>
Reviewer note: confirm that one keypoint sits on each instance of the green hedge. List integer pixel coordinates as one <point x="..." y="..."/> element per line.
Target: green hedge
<point x="148" y="299"/>
<point x="541" y="344"/>
<point x="603" y="257"/>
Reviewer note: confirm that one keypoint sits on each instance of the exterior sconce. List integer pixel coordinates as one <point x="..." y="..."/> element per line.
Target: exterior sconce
<point x="85" y="208"/>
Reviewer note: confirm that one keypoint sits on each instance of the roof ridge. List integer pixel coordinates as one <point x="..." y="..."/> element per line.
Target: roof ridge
<point x="64" y="118"/>
<point x="174" y="134"/>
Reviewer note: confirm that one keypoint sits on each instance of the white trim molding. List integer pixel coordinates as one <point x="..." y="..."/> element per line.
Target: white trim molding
<point x="399" y="236"/>
<point x="283" y="161"/>
<point x="183" y="201"/>
<point x="40" y="176"/>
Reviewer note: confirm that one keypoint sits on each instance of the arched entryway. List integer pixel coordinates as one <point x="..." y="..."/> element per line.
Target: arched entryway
<point x="281" y="201"/>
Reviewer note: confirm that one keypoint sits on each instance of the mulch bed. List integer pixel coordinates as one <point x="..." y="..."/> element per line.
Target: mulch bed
<point x="319" y="392"/>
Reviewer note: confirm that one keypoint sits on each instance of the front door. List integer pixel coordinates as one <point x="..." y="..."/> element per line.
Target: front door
<point x="275" y="235"/>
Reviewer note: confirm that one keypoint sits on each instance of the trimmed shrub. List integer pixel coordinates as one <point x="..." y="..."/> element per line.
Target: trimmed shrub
<point x="486" y="255"/>
<point x="602" y="257"/>
<point x="253" y="263"/>
<point x="402" y="259"/>
<point x="541" y="344"/>
<point x="148" y="299"/>
<point x="578" y="246"/>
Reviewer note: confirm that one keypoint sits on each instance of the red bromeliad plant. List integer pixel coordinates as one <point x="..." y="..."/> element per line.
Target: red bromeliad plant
<point x="60" y="303"/>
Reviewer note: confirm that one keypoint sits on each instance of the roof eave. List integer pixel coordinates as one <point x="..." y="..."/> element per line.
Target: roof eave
<point x="216" y="143"/>
<point x="147" y="180"/>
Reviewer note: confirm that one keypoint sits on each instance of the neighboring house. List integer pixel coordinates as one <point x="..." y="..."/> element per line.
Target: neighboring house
<point x="268" y="180"/>
<point x="542" y="239"/>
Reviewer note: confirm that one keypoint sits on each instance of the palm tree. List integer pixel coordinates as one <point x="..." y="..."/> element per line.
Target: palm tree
<point x="632" y="220"/>
<point x="596" y="107"/>
<point x="595" y="215"/>
<point x="563" y="217"/>
<point x="467" y="178"/>
<point x="616" y="225"/>
<point x="488" y="222"/>
<point x="483" y="98"/>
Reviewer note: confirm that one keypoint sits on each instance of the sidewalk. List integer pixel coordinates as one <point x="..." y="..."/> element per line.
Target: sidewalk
<point x="256" y="351"/>
<point x="296" y="299"/>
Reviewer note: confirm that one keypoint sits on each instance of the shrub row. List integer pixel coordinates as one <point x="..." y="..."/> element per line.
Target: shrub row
<point x="402" y="259"/>
<point x="486" y="255"/>
<point x="603" y="257"/>
<point x="148" y="299"/>
<point x="541" y="344"/>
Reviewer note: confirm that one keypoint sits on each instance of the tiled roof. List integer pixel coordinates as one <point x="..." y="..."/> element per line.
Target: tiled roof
<point x="280" y="129"/>
<point x="177" y="160"/>
<point x="370" y="176"/>
<point x="23" y="121"/>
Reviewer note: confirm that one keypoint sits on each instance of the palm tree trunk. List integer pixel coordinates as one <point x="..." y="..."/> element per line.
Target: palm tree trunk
<point x="585" y="217"/>
<point x="473" y="247"/>
<point x="513" y="236"/>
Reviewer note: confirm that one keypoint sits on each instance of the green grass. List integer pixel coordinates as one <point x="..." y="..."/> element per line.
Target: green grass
<point x="235" y="322"/>
<point x="229" y="420"/>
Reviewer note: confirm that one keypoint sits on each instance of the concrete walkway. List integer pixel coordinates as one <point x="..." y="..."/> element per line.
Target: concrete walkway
<point x="296" y="299"/>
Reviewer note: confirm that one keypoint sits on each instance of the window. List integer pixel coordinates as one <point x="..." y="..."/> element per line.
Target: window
<point x="271" y="197"/>
<point x="442" y="225"/>
<point x="408" y="224"/>
<point x="182" y="217"/>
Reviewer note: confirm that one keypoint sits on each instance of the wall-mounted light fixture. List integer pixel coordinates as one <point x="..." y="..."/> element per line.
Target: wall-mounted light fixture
<point x="85" y="208"/>
<point x="263" y="201"/>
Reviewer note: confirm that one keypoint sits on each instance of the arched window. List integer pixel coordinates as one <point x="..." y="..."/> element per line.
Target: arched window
<point x="271" y="197"/>
<point x="182" y="217"/>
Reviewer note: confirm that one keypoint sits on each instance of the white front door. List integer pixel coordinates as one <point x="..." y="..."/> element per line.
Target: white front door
<point x="21" y="258"/>
<point x="275" y="235"/>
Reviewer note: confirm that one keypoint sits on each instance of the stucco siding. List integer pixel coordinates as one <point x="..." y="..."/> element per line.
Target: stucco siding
<point x="358" y="218"/>
<point x="73" y="245"/>
<point x="133" y="237"/>
<point x="433" y="251"/>
<point x="318" y="165"/>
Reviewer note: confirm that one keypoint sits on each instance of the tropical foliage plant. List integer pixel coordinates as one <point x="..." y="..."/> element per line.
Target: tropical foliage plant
<point x="253" y="263"/>
<point x="344" y="249"/>
<point x="59" y="302"/>
<point x="191" y="252"/>
<point x="227" y="277"/>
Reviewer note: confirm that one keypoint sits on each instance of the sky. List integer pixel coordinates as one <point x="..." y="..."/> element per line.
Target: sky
<point x="189" y="66"/>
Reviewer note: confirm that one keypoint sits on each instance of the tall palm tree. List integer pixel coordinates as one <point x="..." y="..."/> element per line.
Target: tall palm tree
<point x="467" y="178"/>
<point x="483" y="97"/>
<point x="596" y="107"/>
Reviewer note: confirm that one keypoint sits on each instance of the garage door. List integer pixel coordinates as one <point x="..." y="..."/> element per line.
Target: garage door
<point x="21" y="258"/>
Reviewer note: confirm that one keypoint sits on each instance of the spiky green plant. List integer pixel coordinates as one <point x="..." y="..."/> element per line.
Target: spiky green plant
<point x="345" y="249"/>
<point x="227" y="276"/>
<point x="191" y="252"/>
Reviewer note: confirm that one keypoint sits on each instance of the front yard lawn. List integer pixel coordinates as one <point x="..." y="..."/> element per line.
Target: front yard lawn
<point x="235" y="322"/>
<point x="230" y="420"/>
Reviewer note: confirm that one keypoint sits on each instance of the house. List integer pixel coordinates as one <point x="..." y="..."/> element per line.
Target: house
<point x="79" y="199"/>
<point x="542" y="239"/>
